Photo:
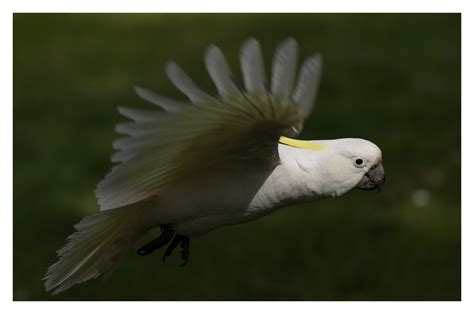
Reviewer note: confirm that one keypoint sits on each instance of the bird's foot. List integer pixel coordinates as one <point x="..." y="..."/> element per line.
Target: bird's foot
<point x="165" y="237"/>
<point x="184" y="246"/>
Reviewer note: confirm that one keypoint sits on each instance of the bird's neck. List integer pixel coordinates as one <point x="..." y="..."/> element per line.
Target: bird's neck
<point x="288" y="184"/>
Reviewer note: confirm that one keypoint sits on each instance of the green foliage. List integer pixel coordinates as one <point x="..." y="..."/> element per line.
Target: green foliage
<point x="391" y="78"/>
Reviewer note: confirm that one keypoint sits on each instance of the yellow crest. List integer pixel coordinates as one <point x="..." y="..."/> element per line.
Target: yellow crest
<point x="301" y="144"/>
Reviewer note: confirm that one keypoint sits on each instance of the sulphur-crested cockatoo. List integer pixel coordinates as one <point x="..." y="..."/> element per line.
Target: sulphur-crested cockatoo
<point x="214" y="161"/>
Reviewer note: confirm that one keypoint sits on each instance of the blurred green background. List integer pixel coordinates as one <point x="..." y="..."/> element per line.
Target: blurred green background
<point x="391" y="78"/>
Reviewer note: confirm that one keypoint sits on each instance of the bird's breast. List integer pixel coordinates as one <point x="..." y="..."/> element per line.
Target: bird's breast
<point x="208" y="200"/>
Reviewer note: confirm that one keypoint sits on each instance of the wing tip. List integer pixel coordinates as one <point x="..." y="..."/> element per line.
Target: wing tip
<point x="137" y="89"/>
<point x="313" y="63"/>
<point x="144" y="94"/>
<point x="211" y="55"/>
<point x="171" y="67"/>
<point x="250" y="42"/>
<point x="122" y="110"/>
<point x="211" y="50"/>
<point x="316" y="59"/>
<point x="289" y="42"/>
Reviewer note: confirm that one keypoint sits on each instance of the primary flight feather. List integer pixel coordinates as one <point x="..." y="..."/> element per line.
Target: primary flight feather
<point x="216" y="160"/>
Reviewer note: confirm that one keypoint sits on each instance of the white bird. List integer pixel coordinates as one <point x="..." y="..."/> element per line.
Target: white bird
<point x="213" y="161"/>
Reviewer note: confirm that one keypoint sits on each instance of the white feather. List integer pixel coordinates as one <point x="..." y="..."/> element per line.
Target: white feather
<point x="251" y="64"/>
<point x="284" y="67"/>
<point x="186" y="85"/>
<point x="158" y="100"/>
<point x="308" y="84"/>
<point x="141" y="128"/>
<point x="219" y="71"/>
<point x="138" y="115"/>
<point x="99" y="243"/>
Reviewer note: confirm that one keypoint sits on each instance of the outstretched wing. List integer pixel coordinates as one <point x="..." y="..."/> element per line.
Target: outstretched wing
<point x="161" y="147"/>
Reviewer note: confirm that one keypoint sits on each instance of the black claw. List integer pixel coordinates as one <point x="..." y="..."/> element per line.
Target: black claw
<point x="172" y="246"/>
<point x="164" y="238"/>
<point x="185" y="251"/>
<point x="184" y="245"/>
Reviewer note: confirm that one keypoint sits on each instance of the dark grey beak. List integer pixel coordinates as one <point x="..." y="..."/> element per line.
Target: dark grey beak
<point x="374" y="179"/>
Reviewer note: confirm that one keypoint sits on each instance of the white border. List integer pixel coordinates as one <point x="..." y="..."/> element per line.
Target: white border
<point x="236" y="6"/>
<point x="6" y="154"/>
<point x="10" y="6"/>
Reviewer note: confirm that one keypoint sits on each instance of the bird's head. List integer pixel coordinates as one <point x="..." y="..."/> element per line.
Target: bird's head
<point x="338" y="166"/>
<point x="349" y="163"/>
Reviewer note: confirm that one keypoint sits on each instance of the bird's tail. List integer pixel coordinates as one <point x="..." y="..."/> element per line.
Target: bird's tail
<point x="99" y="243"/>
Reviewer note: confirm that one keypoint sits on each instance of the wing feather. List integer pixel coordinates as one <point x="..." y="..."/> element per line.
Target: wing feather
<point x="139" y="115"/>
<point x="284" y="67"/>
<point x="160" y="148"/>
<point x="308" y="83"/>
<point x="219" y="71"/>
<point x="158" y="100"/>
<point x="251" y="63"/>
<point x="185" y="84"/>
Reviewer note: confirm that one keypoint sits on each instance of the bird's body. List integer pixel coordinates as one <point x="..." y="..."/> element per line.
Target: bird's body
<point x="207" y="201"/>
<point x="213" y="162"/>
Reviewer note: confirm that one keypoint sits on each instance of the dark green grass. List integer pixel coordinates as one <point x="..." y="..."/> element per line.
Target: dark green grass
<point x="390" y="78"/>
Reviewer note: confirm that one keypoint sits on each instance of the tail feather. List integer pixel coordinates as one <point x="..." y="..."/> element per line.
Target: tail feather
<point x="99" y="243"/>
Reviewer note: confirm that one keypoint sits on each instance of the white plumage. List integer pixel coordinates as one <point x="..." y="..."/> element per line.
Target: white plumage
<point x="219" y="71"/>
<point x="307" y="86"/>
<point x="186" y="85"/>
<point x="251" y="64"/>
<point x="214" y="161"/>
<point x="163" y="102"/>
<point x="284" y="68"/>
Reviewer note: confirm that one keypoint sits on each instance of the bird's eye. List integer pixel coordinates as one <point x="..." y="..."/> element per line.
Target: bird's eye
<point x="359" y="162"/>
